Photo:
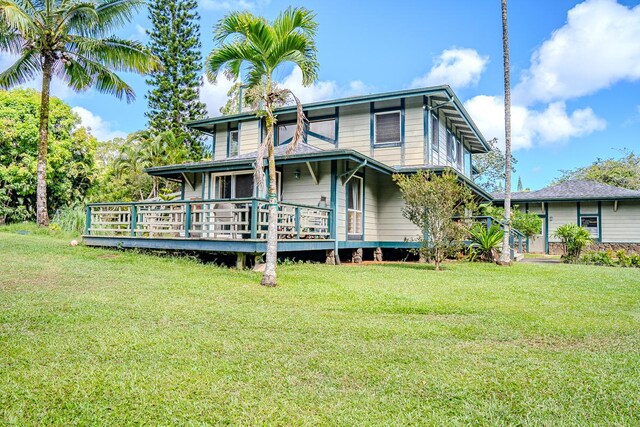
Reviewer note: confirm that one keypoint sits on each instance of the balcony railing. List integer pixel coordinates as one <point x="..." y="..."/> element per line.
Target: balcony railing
<point x="218" y="219"/>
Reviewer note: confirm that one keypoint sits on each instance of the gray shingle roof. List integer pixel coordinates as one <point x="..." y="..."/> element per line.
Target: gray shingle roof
<point x="279" y="151"/>
<point x="573" y="189"/>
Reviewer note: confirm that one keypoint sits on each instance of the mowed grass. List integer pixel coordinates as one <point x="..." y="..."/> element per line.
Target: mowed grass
<point x="98" y="337"/>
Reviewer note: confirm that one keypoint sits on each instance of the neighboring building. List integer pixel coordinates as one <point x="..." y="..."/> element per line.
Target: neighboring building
<point x="336" y="190"/>
<point x="611" y="214"/>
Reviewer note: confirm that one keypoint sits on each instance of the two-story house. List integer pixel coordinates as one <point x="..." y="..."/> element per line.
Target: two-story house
<point x="336" y="190"/>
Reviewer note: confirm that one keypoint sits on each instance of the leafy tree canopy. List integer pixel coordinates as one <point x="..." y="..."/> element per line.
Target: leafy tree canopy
<point x="490" y="168"/>
<point x="621" y="172"/>
<point x="71" y="155"/>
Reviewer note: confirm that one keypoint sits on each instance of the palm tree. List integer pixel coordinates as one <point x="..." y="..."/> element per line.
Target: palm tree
<point x="245" y="40"/>
<point x="70" y="39"/>
<point x="505" y="256"/>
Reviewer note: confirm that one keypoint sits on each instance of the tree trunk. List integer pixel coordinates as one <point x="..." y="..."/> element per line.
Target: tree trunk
<point x="269" y="275"/>
<point x="505" y="256"/>
<point x="42" y="215"/>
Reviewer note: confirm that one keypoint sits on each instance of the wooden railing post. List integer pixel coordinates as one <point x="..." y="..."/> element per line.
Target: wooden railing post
<point x="511" y="246"/>
<point x="187" y="220"/>
<point x="297" y="222"/>
<point x="87" y="224"/>
<point x="133" y="220"/>
<point x="254" y="219"/>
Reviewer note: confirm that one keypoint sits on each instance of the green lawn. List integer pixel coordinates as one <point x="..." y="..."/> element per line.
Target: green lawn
<point x="96" y="337"/>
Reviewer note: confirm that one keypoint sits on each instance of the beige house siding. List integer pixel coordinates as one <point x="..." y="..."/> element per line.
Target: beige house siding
<point x="392" y="225"/>
<point x="623" y="225"/>
<point x="370" y="206"/>
<point x="249" y="136"/>
<point x="413" y="133"/>
<point x="561" y="214"/>
<point x="194" y="193"/>
<point x="221" y="142"/>
<point x="354" y="128"/>
<point x="304" y="190"/>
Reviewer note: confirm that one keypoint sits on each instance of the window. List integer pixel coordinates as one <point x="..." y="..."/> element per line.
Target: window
<point x="323" y="129"/>
<point x="233" y="143"/>
<point x="435" y="133"/>
<point x="236" y="186"/>
<point x="354" y="207"/>
<point x="387" y="128"/>
<point x="467" y="162"/>
<point x="459" y="154"/>
<point x="285" y="133"/>
<point x="451" y="147"/>
<point x="591" y="224"/>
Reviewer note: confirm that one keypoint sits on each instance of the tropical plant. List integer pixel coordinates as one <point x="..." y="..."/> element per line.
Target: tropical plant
<point x="431" y="203"/>
<point x="69" y="39"/>
<point x="489" y="168"/>
<point x="505" y="255"/>
<point x="529" y="224"/>
<point x="573" y="239"/>
<point x="71" y="166"/>
<point x="174" y="94"/>
<point x="485" y="241"/>
<point x="246" y="40"/>
<point x="70" y="219"/>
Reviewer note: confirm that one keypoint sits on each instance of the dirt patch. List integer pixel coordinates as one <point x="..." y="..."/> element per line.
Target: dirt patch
<point x="108" y="256"/>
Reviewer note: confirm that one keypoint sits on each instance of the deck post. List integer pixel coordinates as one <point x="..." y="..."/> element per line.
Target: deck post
<point x="133" y="220"/>
<point x="187" y="220"/>
<point x="240" y="260"/>
<point x="254" y="219"/>
<point x="87" y="224"/>
<point x="297" y="222"/>
<point x="511" y="246"/>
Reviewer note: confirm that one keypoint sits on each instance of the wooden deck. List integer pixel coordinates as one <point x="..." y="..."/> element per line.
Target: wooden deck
<point x="235" y="225"/>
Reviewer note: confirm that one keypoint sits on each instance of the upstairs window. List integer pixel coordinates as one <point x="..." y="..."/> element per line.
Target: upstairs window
<point x="459" y="153"/>
<point x="451" y="147"/>
<point x="387" y="128"/>
<point x="285" y="133"/>
<point x="435" y="133"/>
<point x="324" y="129"/>
<point x="233" y="143"/>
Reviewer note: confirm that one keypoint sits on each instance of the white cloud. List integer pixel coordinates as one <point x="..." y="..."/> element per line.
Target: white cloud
<point x="215" y="95"/>
<point x="233" y="4"/>
<point x="551" y="125"/>
<point x="456" y="67"/>
<point x="99" y="128"/>
<point x="597" y="47"/>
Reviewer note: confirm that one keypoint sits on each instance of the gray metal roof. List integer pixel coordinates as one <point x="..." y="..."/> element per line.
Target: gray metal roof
<point x="573" y="190"/>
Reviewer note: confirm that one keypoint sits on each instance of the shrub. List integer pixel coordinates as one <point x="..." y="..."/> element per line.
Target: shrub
<point x="573" y="239"/>
<point x="484" y="242"/>
<point x="610" y="259"/>
<point x="70" y="219"/>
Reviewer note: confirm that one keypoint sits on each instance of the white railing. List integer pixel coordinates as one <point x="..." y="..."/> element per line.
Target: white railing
<point x="235" y="219"/>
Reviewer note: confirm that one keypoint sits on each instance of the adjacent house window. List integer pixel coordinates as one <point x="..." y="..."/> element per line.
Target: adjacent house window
<point x="323" y="129"/>
<point x="233" y="143"/>
<point x="435" y="133"/>
<point x="591" y="223"/>
<point x="387" y="128"/>
<point x="354" y="207"/>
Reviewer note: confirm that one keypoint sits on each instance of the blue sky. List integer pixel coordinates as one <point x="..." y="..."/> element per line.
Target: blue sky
<point x="575" y="69"/>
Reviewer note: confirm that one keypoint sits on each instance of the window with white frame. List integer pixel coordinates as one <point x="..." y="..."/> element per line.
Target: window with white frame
<point x="387" y="128"/>
<point x="354" y="206"/>
<point x="459" y="154"/>
<point x="234" y="143"/>
<point x="233" y="186"/>
<point x="591" y="223"/>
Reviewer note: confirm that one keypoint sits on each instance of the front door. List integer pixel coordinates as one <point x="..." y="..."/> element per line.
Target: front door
<point x="536" y="243"/>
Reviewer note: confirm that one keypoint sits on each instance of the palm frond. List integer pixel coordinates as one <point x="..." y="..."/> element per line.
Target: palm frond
<point x="295" y="19"/>
<point x="235" y="24"/>
<point x="232" y="53"/>
<point x="15" y="17"/>
<point x="114" y="14"/>
<point x="25" y="69"/>
<point x="115" y="53"/>
<point x="77" y="16"/>
<point x="301" y="123"/>
<point x="102" y="78"/>
<point x="10" y="40"/>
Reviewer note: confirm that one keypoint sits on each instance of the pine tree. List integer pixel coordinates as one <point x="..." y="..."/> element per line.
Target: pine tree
<point x="520" y="188"/>
<point x="174" y="98"/>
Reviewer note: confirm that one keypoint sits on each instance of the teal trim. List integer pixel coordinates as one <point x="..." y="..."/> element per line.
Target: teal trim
<point x="600" y="222"/>
<point x="371" y="129"/>
<point x="187" y="220"/>
<point x="87" y="220"/>
<point x="182" y="189"/>
<point x="134" y="220"/>
<point x="426" y="149"/>
<point x="402" y="147"/>
<point x="372" y="113"/>
<point x="213" y="142"/>
<point x="435" y="136"/>
<point x="337" y="126"/>
<point x="297" y="222"/>
<point x="203" y="179"/>
<point x="578" y="213"/>
<point x="254" y="219"/>
<point x="376" y="244"/>
<point x="546" y="228"/>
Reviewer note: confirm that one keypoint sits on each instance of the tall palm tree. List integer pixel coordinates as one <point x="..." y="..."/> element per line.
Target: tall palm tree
<point x="70" y="39"/>
<point x="249" y="41"/>
<point x="505" y="256"/>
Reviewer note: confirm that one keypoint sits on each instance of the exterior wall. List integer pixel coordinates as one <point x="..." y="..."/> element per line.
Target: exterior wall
<point x="194" y="193"/>
<point x="249" y="136"/>
<point x="354" y="128"/>
<point x="304" y="190"/>
<point x="371" y="206"/>
<point x="560" y="214"/>
<point x="220" y="149"/>
<point x="413" y="133"/>
<point x="392" y="225"/>
<point x="623" y="225"/>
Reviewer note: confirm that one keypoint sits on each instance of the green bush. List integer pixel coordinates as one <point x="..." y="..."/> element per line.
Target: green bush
<point x="484" y="242"/>
<point x="70" y="219"/>
<point x="573" y="239"/>
<point x="610" y="259"/>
